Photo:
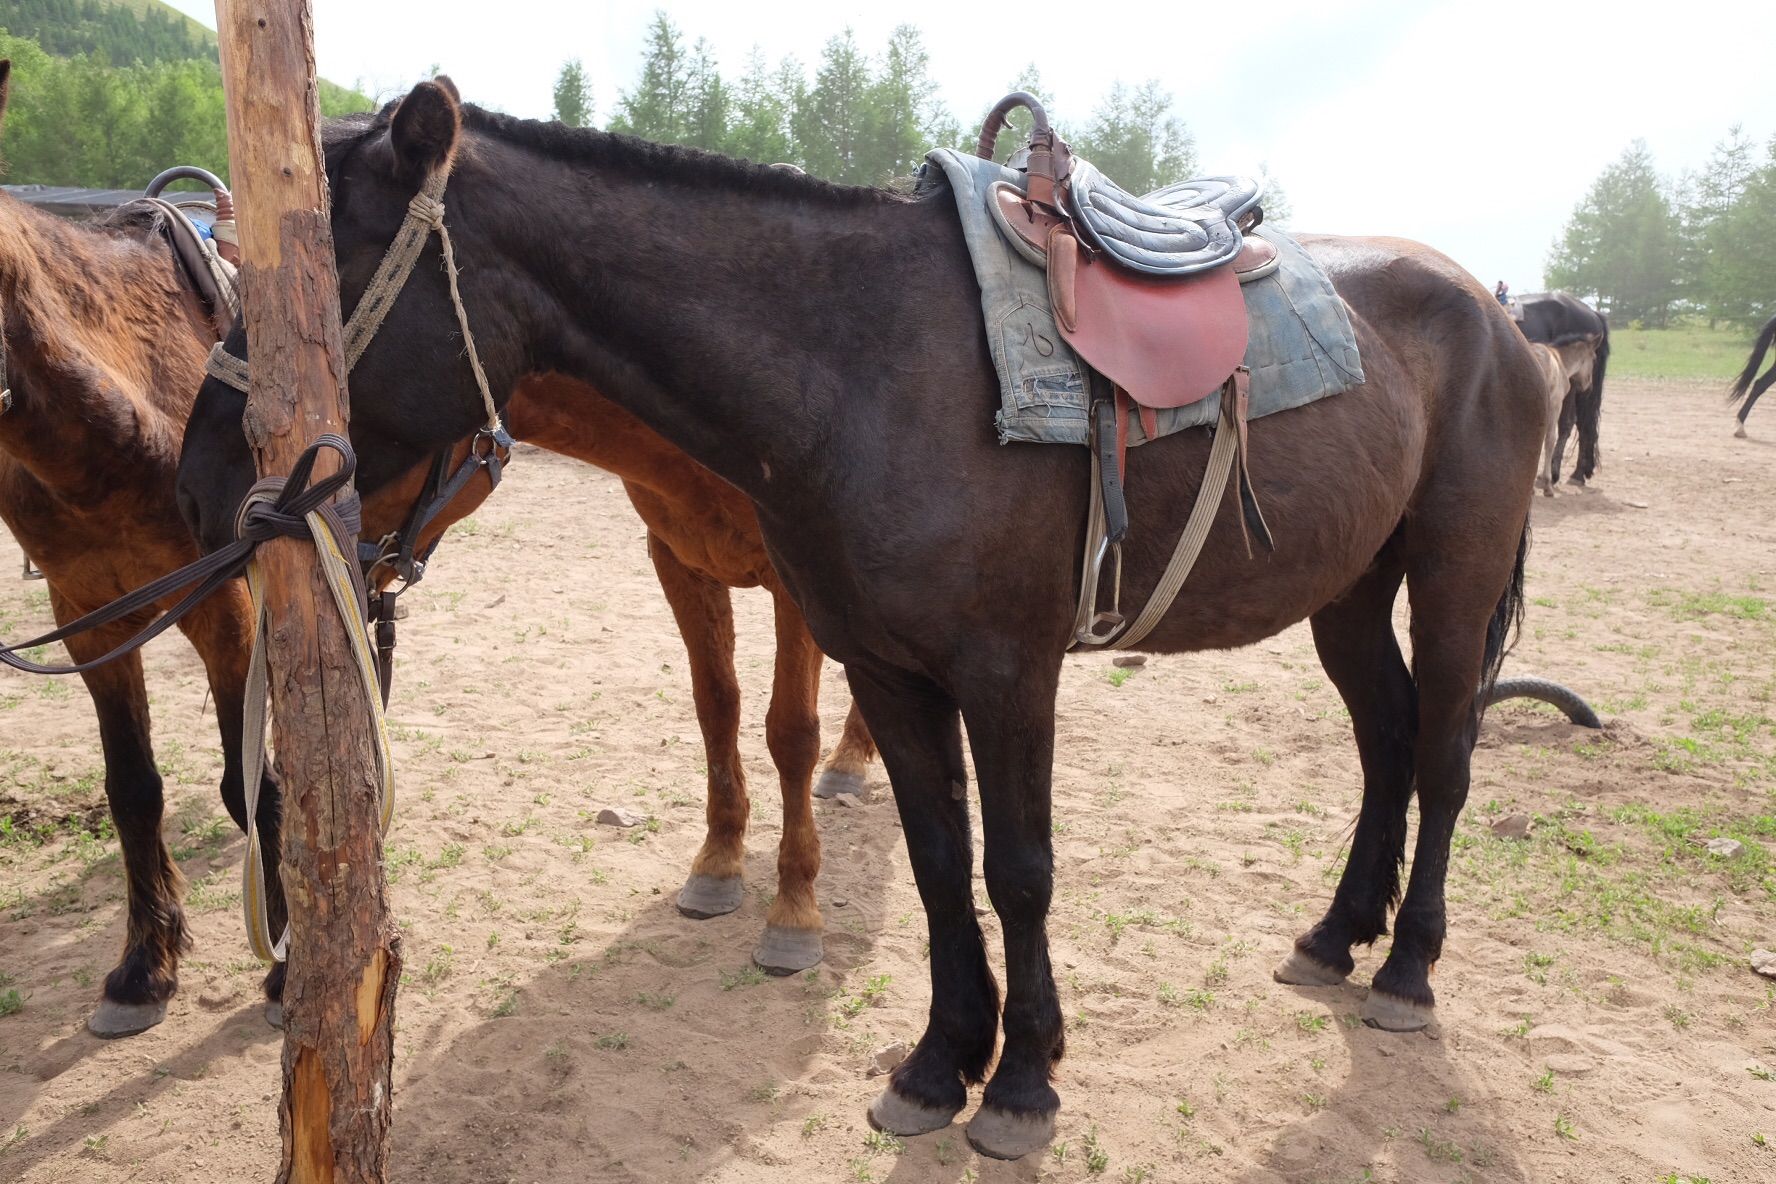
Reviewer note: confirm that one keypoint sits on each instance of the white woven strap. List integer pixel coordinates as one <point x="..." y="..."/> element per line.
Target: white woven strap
<point x="337" y="568"/>
<point x="1184" y="556"/>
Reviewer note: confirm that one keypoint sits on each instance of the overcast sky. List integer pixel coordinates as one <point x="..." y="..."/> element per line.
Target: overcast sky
<point x="1470" y="126"/>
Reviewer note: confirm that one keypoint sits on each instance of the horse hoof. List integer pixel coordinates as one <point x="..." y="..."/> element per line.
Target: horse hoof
<point x="1390" y="1013"/>
<point x="785" y="951"/>
<point x="1004" y="1135"/>
<point x="274" y="1015"/>
<point x="894" y="1115"/>
<point x="111" y="1020"/>
<point x="1739" y="432"/>
<point x="1304" y="970"/>
<point x="832" y="783"/>
<point x="704" y="897"/>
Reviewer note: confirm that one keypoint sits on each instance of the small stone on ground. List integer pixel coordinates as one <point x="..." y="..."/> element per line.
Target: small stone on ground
<point x="1725" y="848"/>
<point x="887" y="1057"/>
<point x="1129" y="660"/>
<point x="1512" y="826"/>
<point x="619" y="816"/>
<point x="1764" y="962"/>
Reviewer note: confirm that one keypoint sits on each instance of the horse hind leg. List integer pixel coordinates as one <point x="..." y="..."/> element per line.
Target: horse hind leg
<point x="1355" y="639"/>
<point x="792" y="939"/>
<point x="848" y="766"/>
<point x="146" y="976"/>
<point x="705" y="617"/>
<point x="1461" y="613"/>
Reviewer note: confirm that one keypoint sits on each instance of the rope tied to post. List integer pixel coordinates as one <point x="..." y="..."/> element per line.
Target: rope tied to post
<point x="298" y="506"/>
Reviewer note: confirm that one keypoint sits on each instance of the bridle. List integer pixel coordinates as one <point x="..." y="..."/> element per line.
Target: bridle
<point x="397" y="561"/>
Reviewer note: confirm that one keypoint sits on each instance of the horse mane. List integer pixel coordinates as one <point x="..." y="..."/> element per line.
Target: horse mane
<point x="675" y="163"/>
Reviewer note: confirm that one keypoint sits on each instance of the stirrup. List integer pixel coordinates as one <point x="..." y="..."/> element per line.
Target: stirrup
<point x="1103" y="626"/>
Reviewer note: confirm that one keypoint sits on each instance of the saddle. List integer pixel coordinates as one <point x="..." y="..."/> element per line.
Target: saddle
<point x="1146" y="290"/>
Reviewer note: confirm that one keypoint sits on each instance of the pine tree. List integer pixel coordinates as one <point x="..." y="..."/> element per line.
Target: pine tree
<point x="1277" y="210"/>
<point x="759" y="129"/>
<point x="1706" y="204"/>
<point x="706" y="121"/>
<point x="1741" y="271"/>
<point x="659" y="107"/>
<point x="905" y="116"/>
<point x="831" y="119"/>
<point x="573" y="95"/>
<point x="1134" y="138"/>
<point x="1622" y="242"/>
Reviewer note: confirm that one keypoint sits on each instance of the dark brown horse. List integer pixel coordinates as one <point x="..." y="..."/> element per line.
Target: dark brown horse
<point x="821" y="349"/>
<point x="1748" y="387"/>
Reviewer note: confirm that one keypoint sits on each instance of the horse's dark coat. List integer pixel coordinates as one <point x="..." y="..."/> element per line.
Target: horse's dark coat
<point x="820" y="348"/>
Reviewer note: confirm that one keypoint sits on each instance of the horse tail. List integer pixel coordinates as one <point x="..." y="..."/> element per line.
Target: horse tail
<point x="1742" y="384"/>
<point x="1506" y="624"/>
<point x="1588" y="409"/>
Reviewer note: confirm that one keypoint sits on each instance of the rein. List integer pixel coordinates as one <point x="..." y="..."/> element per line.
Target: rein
<point x="294" y="507"/>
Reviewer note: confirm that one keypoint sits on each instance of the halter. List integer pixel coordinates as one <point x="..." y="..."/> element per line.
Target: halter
<point x="489" y="447"/>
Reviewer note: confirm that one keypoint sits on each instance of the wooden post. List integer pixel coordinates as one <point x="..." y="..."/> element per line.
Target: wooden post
<point x="344" y="952"/>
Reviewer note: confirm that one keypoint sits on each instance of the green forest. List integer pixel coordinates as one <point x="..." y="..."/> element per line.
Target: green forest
<point x="861" y="117"/>
<point x="1653" y="248"/>
<point x="105" y="95"/>
<point x="117" y="32"/>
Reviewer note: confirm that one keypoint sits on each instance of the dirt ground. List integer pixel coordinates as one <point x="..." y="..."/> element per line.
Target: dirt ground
<point x="560" y="1021"/>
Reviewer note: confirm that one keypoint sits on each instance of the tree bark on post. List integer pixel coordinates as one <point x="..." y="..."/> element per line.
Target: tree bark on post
<point x="344" y="956"/>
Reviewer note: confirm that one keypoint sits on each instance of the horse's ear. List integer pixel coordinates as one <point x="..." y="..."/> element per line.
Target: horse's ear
<point x="443" y="80"/>
<point x="425" y="128"/>
<point x="5" y="84"/>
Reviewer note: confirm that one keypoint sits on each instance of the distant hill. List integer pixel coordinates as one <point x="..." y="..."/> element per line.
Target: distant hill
<point x="121" y="31"/>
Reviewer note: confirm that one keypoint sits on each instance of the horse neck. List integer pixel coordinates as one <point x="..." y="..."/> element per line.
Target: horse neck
<point x="731" y="322"/>
<point x="103" y="348"/>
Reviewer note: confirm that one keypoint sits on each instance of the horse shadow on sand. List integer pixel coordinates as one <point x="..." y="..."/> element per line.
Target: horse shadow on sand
<point x="571" y="1074"/>
<point x="661" y="1054"/>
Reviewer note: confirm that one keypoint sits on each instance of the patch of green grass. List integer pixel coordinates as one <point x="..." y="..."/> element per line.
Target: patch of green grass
<point x="1119" y="675"/>
<point x="1097" y="1160"/>
<point x="1688" y="349"/>
<point x="11" y="1002"/>
<point x="614" y="1041"/>
<point x="747" y="976"/>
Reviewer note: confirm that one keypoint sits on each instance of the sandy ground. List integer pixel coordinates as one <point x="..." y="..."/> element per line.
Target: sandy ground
<point x="559" y="1021"/>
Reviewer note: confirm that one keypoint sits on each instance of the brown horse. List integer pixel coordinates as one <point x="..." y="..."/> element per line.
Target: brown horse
<point x="103" y="345"/>
<point x="1565" y="368"/>
<point x="821" y="348"/>
<point x="104" y="349"/>
<point x="703" y="538"/>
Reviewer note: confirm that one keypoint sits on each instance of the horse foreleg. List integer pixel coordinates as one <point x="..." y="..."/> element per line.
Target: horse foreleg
<point x="221" y="630"/>
<point x="915" y="723"/>
<point x="146" y="976"/>
<point x="1355" y="639"/>
<point x="1010" y="717"/>
<point x="1568" y="418"/>
<point x="792" y="730"/>
<point x="705" y="617"/>
<point x="846" y="768"/>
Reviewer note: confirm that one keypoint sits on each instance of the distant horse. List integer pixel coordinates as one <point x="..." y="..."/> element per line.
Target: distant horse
<point x="1564" y="369"/>
<point x="821" y="348"/>
<point x="1556" y="318"/>
<point x="1744" y="387"/>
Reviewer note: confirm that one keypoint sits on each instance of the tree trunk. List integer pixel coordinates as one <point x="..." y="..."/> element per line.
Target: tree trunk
<point x="345" y="956"/>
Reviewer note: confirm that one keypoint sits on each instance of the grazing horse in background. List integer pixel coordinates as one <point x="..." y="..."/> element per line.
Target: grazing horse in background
<point x="1565" y="368"/>
<point x="821" y="348"/>
<point x="1744" y="387"/>
<point x="1556" y="318"/>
